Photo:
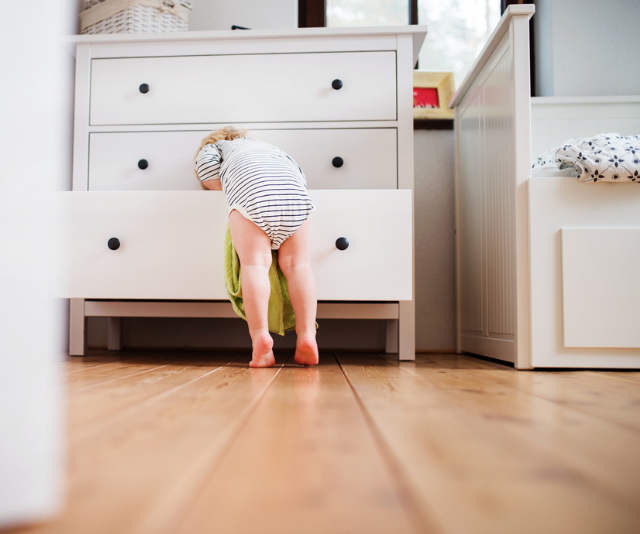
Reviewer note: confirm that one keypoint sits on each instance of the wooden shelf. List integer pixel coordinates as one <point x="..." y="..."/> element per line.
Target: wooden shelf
<point x="433" y="124"/>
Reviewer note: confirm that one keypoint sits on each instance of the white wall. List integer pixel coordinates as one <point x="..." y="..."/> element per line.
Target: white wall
<point x="435" y="240"/>
<point x="35" y="98"/>
<point x="543" y="47"/>
<point x="587" y="47"/>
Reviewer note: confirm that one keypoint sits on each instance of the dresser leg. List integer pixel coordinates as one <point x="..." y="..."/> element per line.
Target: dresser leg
<point x="407" y="334"/>
<point x="113" y="333"/>
<point x="391" y="338"/>
<point x="76" y="327"/>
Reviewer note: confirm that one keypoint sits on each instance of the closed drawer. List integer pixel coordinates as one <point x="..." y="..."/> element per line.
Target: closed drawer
<point x="600" y="304"/>
<point x="170" y="244"/>
<point x="330" y="158"/>
<point x="262" y="88"/>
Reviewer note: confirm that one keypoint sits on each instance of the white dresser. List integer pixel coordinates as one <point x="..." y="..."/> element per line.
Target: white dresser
<point x="141" y="239"/>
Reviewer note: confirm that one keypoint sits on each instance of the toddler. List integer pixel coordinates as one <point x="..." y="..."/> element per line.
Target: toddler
<point x="268" y="210"/>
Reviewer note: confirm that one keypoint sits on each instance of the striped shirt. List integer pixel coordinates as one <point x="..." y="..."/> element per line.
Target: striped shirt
<point x="261" y="182"/>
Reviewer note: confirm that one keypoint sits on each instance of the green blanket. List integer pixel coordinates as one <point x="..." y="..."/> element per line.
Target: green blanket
<point x="281" y="316"/>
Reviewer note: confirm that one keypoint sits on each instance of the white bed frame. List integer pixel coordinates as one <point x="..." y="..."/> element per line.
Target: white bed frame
<point x="545" y="265"/>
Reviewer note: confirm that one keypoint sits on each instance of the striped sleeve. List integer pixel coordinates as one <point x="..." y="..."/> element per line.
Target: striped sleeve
<point x="208" y="163"/>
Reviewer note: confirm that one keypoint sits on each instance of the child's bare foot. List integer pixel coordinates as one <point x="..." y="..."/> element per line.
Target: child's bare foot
<point x="262" y="351"/>
<point x="306" y="350"/>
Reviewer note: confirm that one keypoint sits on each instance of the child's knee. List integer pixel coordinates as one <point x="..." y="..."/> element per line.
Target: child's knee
<point x="289" y="264"/>
<point x="262" y="261"/>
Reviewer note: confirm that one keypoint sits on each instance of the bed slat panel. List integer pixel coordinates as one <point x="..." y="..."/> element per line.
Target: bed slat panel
<point x="489" y="201"/>
<point x="500" y="197"/>
<point x="471" y="127"/>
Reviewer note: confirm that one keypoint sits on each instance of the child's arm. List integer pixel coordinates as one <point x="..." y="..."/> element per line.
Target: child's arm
<point x="208" y="167"/>
<point x="213" y="185"/>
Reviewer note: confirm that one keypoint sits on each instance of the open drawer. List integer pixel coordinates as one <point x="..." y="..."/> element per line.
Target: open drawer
<point x="168" y="244"/>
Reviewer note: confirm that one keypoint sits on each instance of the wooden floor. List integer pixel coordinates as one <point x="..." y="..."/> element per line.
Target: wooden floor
<point x="176" y="443"/>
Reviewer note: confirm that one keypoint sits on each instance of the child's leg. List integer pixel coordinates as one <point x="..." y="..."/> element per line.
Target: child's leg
<point x="254" y="250"/>
<point x="294" y="258"/>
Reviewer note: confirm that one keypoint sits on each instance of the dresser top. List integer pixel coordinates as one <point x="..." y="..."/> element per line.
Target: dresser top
<point x="418" y="34"/>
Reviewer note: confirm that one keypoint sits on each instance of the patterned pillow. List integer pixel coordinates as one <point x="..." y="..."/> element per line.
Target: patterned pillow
<point x="604" y="158"/>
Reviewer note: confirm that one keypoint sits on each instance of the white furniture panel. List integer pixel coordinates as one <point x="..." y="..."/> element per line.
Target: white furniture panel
<point x="560" y="204"/>
<point x="370" y="156"/>
<point x="495" y="189"/>
<point x="167" y="158"/>
<point x="170" y="242"/>
<point x="377" y="264"/>
<point x="353" y="142"/>
<point x="491" y="209"/>
<point x="554" y="120"/>
<point x="601" y="295"/>
<point x="115" y="161"/>
<point x="244" y="88"/>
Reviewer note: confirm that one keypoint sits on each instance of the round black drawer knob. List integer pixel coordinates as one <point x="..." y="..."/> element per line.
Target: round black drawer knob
<point x="144" y="88"/>
<point x="336" y="84"/>
<point x="143" y="164"/>
<point x="337" y="162"/>
<point x="342" y="243"/>
<point x="113" y="243"/>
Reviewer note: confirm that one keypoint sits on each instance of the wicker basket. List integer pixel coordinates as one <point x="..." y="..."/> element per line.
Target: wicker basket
<point x="135" y="16"/>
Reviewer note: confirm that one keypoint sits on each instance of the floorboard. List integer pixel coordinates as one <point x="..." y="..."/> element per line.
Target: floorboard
<point x="633" y="376"/>
<point x="482" y="457"/>
<point x="593" y="393"/>
<point x="144" y="470"/>
<point x="73" y="364"/>
<point x="194" y="442"/>
<point x="305" y="462"/>
<point x="93" y="409"/>
<point x="114" y="370"/>
<point x="618" y="387"/>
<point x="553" y="414"/>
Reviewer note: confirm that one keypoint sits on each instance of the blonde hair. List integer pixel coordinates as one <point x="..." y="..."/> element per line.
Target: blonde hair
<point x="228" y="133"/>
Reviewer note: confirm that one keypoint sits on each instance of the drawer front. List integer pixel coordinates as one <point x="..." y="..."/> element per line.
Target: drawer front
<point x="262" y="88"/>
<point x="590" y="256"/>
<point x="171" y="245"/>
<point x="377" y="264"/>
<point x="331" y="158"/>
<point x="341" y="159"/>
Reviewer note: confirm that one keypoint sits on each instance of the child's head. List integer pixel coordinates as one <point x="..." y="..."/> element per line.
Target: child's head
<point x="228" y="133"/>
